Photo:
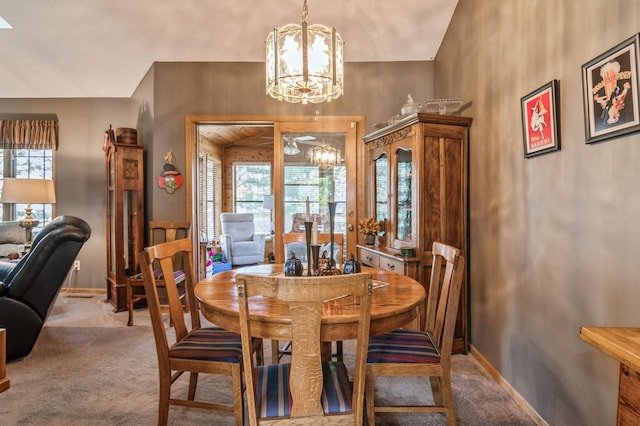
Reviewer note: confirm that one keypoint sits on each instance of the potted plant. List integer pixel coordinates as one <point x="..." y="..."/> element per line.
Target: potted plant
<point x="369" y="227"/>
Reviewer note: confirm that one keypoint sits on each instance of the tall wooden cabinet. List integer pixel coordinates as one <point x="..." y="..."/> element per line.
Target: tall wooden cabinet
<point x="417" y="182"/>
<point x="125" y="217"/>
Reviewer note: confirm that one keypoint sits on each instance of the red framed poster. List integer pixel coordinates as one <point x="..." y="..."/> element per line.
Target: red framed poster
<point x="540" y="120"/>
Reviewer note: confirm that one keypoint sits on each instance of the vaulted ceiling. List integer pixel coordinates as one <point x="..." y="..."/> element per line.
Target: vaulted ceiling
<point x="85" y="48"/>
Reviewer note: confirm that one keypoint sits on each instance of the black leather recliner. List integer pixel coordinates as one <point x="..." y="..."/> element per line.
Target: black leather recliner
<point x="28" y="289"/>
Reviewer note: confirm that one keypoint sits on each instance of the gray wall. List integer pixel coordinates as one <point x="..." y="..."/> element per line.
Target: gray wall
<point x="374" y="90"/>
<point x="157" y="109"/>
<point x="554" y="239"/>
<point x="79" y="168"/>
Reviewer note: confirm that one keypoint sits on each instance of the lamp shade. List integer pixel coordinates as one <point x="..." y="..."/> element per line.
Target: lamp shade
<point x="28" y="191"/>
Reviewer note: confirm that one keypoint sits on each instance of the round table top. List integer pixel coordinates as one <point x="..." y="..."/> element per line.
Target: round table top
<point x="396" y="302"/>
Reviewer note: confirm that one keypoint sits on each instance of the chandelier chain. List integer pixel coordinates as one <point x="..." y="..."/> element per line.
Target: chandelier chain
<point x="305" y="11"/>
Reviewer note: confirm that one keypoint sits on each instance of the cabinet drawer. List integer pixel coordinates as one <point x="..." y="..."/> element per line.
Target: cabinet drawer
<point x="393" y="265"/>
<point x="369" y="258"/>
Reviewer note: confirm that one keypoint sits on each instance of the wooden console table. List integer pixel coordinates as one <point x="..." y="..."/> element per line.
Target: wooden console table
<point x="622" y="344"/>
<point x="4" y="381"/>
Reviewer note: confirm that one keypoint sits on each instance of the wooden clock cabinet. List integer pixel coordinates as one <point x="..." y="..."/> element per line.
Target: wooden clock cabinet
<point x="417" y="182"/>
<point x="125" y="217"/>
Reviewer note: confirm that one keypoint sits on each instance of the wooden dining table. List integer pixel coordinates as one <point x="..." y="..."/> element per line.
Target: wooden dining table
<point x="396" y="303"/>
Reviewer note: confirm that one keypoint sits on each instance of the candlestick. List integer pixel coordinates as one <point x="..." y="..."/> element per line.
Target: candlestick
<point x="308" y="210"/>
<point x="314" y="233"/>
<point x="332" y="191"/>
<point x="332" y="214"/>
<point x="307" y="229"/>
<point x="315" y="252"/>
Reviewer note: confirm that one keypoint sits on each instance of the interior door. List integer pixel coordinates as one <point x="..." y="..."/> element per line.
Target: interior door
<point x="319" y="165"/>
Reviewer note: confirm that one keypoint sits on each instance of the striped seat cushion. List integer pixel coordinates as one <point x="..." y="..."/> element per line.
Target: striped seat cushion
<point x="273" y="398"/>
<point x="402" y="346"/>
<point x="336" y="388"/>
<point x="209" y="344"/>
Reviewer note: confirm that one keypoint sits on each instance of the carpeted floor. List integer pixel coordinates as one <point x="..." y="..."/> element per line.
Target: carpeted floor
<point x="88" y="368"/>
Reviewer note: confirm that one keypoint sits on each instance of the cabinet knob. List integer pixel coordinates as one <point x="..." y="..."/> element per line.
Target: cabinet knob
<point x="391" y="266"/>
<point x="350" y="227"/>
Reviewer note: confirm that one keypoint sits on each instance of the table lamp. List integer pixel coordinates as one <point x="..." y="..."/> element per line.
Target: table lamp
<point x="27" y="191"/>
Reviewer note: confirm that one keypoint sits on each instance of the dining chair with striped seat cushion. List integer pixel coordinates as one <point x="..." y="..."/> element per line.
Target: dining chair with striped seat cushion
<point x="307" y="389"/>
<point x="159" y="232"/>
<point x="427" y="352"/>
<point x="196" y="349"/>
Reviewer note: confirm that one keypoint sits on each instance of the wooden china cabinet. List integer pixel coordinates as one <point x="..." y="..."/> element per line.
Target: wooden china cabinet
<point x="125" y="217"/>
<point x="417" y="185"/>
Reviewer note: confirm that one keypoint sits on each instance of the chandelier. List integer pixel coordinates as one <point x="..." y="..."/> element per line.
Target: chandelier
<point x="325" y="156"/>
<point x="305" y="63"/>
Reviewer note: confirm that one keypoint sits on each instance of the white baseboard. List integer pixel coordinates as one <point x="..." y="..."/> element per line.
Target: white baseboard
<point x="508" y="388"/>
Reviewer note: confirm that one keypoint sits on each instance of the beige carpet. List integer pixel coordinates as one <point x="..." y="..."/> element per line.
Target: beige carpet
<point x="88" y="368"/>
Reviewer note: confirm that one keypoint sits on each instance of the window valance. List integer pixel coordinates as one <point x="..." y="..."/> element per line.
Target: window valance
<point x="28" y="134"/>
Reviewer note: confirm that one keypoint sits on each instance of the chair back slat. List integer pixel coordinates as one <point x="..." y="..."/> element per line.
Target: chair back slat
<point x="446" y="281"/>
<point x="161" y="231"/>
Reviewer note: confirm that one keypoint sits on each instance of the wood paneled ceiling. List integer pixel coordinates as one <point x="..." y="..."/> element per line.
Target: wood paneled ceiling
<point x="226" y="135"/>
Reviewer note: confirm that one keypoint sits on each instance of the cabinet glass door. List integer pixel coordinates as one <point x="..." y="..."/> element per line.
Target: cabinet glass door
<point x="404" y="196"/>
<point x="382" y="188"/>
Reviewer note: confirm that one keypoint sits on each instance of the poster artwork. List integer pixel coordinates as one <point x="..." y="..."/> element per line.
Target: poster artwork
<point x="612" y="92"/>
<point x="610" y="88"/>
<point x="539" y="122"/>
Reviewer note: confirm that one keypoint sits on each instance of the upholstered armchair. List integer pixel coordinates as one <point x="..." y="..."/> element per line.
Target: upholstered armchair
<point x="240" y="244"/>
<point x="28" y="289"/>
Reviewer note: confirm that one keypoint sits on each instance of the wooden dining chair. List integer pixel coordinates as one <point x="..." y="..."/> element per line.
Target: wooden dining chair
<point x="290" y="239"/>
<point x="196" y="349"/>
<point x="422" y="353"/>
<point x="159" y="232"/>
<point x="306" y="390"/>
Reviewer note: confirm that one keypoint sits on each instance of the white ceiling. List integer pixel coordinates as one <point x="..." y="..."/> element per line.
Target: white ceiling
<point x="103" y="48"/>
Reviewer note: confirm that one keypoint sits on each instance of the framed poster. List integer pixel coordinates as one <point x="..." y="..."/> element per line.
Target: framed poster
<point x="610" y="87"/>
<point x="540" y="120"/>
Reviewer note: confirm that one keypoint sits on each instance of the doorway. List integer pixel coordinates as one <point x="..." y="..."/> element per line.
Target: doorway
<point x="328" y="149"/>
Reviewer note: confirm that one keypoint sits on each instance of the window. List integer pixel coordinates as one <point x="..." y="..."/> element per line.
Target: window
<point x="23" y="164"/>
<point x="252" y="182"/>
<point x="26" y="151"/>
<point x="314" y="182"/>
<point x="210" y="208"/>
